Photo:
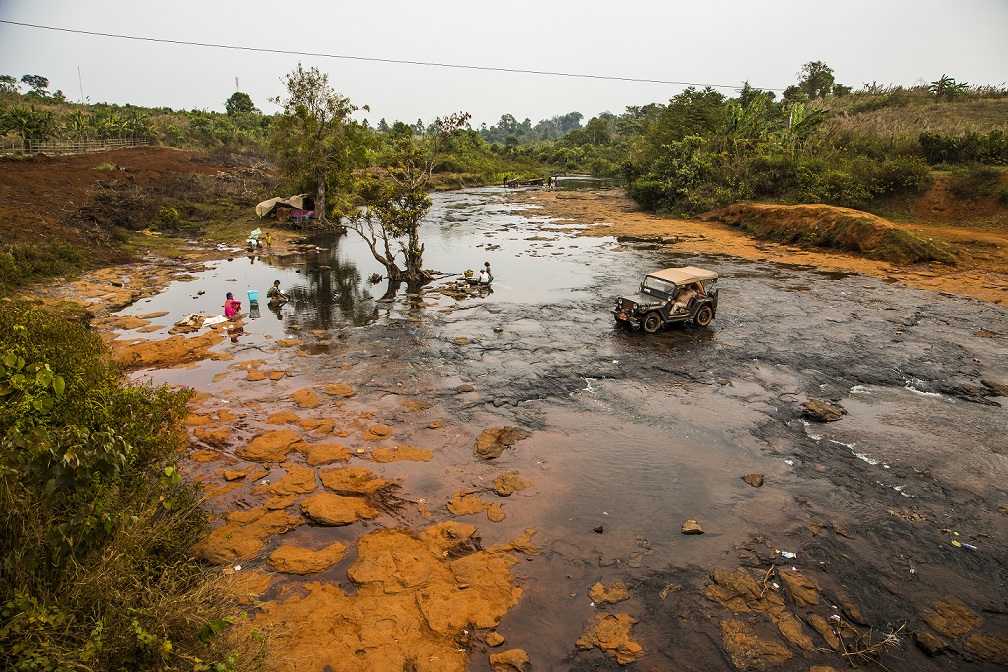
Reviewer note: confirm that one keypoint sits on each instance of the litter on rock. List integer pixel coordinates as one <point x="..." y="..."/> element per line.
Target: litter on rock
<point x="788" y="555"/>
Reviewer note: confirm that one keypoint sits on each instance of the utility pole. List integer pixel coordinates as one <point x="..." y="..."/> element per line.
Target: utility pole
<point x="236" y="85"/>
<point x="81" y="84"/>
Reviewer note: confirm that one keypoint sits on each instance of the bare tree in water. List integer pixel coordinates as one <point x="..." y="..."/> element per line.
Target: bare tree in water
<point x="395" y="201"/>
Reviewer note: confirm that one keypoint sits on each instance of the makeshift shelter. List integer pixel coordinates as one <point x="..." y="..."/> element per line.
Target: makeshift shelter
<point x="290" y="209"/>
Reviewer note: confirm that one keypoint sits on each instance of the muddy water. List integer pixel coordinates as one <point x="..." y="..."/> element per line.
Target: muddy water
<point x="632" y="435"/>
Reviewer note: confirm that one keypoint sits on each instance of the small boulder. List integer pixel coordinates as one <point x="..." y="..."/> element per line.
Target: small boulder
<point x="821" y="411"/>
<point x="492" y="442"/>
<point x="755" y="480"/>
<point x="691" y="526"/>
<point x="513" y="660"/>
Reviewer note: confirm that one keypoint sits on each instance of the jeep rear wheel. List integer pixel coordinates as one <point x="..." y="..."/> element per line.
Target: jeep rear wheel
<point x="652" y="322"/>
<point x="704" y="316"/>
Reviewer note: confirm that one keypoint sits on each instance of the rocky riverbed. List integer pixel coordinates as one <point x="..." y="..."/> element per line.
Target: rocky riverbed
<point x="508" y="480"/>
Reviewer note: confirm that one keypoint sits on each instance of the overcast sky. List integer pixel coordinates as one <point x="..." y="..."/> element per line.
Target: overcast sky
<point x="716" y="42"/>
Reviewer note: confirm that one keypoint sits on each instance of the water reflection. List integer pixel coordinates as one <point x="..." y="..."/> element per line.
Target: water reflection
<point x="331" y="292"/>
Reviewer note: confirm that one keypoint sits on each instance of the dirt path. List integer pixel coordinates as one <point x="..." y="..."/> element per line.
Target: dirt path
<point x="610" y="213"/>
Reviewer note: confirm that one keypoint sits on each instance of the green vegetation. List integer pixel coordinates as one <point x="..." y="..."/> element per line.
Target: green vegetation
<point x="95" y="521"/>
<point x="22" y="264"/>
<point x="823" y="143"/>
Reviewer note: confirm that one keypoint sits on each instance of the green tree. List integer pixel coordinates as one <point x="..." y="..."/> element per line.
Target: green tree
<point x="947" y="88"/>
<point x="815" y="80"/>
<point x="315" y="141"/>
<point x="396" y="201"/>
<point x="9" y="85"/>
<point x="597" y="132"/>
<point x="38" y="85"/>
<point x="239" y="103"/>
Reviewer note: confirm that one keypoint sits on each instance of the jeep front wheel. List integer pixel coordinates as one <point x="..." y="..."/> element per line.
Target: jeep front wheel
<point x="652" y="322"/>
<point x="704" y="316"/>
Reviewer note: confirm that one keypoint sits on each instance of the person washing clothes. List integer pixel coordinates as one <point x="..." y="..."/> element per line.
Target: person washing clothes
<point x="231" y="307"/>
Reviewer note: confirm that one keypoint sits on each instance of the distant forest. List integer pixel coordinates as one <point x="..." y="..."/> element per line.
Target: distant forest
<point x="821" y="141"/>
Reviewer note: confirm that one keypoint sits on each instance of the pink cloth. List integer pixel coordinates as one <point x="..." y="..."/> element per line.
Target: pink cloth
<point x="231" y="307"/>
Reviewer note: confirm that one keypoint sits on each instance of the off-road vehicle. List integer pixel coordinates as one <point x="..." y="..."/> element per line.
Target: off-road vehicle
<point x="670" y="295"/>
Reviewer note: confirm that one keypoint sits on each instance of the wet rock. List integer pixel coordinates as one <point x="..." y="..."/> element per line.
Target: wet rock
<point x="494" y="639"/>
<point x="520" y="544"/>
<point x="325" y="453"/>
<point x="377" y="432"/>
<point x="755" y="480"/>
<point x="820" y="625"/>
<point x="205" y="456"/>
<point x="465" y="388"/>
<point x="598" y="529"/>
<point x="289" y="342"/>
<point x="352" y="481"/>
<point x="168" y="352"/>
<point x="276" y="375"/>
<point x="495" y="513"/>
<point x="305" y="398"/>
<point x="492" y="442"/>
<point x="791" y="628"/>
<point x="338" y="390"/>
<point x="513" y="660"/>
<point x="929" y="644"/>
<point x="747" y="650"/>
<point x="244" y="534"/>
<point x="611" y="595"/>
<point x="461" y="340"/>
<point x="326" y="508"/>
<point x="738" y="592"/>
<point x="255" y="375"/>
<point x="270" y="447"/>
<point x="691" y="527"/>
<point x="851" y="609"/>
<point x="822" y="411"/>
<point x="220" y="436"/>
<point x="611" y="633"/>
<point x="436" y="424"/>
<point x="509" y="482"/>
<point x="237" y="474"/>
<point x="196" y="419"/>
<point x="279" y="502"/>
<point x="398" y="453"/>
<point x="993" y="648"/>
<point x="297" y="560"/>
<point x="465" y="504"/>
<point x="416" y="405"/>
<point x="996" y="389"/>
<point x="297" y="481"/>
<point x="951" y="617"/>
<point x="283" y="418"/>
<point x="802" y="590"/>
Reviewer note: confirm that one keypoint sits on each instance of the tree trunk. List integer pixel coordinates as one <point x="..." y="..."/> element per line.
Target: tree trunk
<point x="320" y="209"/>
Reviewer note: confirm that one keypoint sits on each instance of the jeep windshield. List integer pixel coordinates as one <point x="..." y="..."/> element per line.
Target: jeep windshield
<point x="653" y="285"/>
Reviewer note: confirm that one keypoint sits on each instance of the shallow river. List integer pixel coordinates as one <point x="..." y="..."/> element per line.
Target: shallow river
<point x="631" y="435"/>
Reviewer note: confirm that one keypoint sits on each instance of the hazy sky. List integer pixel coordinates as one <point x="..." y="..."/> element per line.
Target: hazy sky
<point x="716" y="42"/>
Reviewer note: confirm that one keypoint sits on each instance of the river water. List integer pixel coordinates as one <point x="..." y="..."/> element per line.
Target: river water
<point x="631" y="435"/>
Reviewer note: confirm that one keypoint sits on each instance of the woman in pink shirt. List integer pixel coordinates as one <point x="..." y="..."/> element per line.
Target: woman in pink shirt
<point x="231" y="307"/>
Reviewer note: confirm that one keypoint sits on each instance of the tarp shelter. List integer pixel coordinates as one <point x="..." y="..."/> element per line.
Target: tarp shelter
<point x="299" y="202"/>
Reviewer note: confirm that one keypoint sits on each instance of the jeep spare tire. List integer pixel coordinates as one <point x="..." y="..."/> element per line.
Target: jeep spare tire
<point x="652" y="322"/>
<point x="704" y="316"/>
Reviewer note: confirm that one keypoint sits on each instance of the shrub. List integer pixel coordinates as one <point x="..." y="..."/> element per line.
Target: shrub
<point x="975" y="183"/>
<point x="21" y="264"/>
<point x="96" y="522"/>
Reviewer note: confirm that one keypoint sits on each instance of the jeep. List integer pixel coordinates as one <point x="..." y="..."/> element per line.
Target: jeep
<point x="671" y="295"/>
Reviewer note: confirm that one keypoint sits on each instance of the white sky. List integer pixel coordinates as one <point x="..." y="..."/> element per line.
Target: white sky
<point x="718" y="42"/>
